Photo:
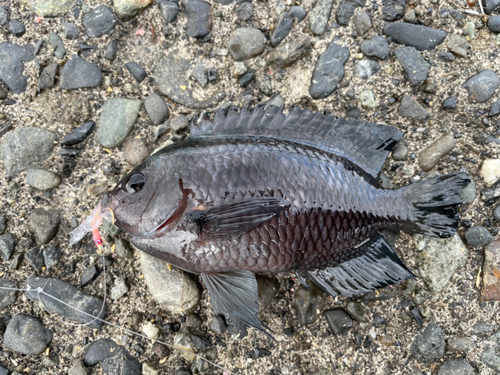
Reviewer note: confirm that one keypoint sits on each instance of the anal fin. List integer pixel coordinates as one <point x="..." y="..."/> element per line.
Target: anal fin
<point x="235" y="295"/>
<point x="378" y="267"/>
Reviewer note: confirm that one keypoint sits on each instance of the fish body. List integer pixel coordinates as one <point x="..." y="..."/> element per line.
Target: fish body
<point x="261" y="191"/>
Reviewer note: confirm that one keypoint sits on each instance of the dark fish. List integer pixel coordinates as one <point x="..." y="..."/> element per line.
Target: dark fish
<point x="262" y="191"/>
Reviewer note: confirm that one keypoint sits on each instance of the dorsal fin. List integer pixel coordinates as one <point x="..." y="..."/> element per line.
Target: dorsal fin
<point x="364" y="143"/>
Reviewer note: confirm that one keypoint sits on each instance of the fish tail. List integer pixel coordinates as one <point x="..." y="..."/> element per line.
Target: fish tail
<point x="434" y="204"/>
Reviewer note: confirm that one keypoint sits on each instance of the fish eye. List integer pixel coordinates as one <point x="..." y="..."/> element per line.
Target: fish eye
<point x="135" y="183"/>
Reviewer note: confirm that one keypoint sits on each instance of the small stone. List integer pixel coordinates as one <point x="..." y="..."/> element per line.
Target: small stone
<point x="367" y="99"/>
<point x="446" y="56"/>
<point x="49" y="8"/>
<point x="491" y="269"/>
<point x="7" y="245"/>
<point x="286" y="54"/>
<point x="78" y="73"/>
<point x="89" y="275"/>
<point x="245" y="43"/>
<point x="70" y="31"/>
<point x="193" y="321"/>
<point x="282" y="29"/>
<point x="429" y="346"/>
<point x="200" y="73"/>
<point x="265" y="84"/>
<point x="490" y="171"/>
<point x="410" y="16"/>
<point x="393" y="9"/>
<point x="456" y="367"/>
<point x="366" y="68"/>
<point x="319" y="15"/>
<point x="375" y="47"/>
<point x="79" y="134"/>
<point x="12" y="59"/>
<point x="135" y="151"/>
<point x="414" y="65"/>
<point x="239" y="68"/>
<point x="7" y="297"/>
<point x="111" y="50"/>
<point x="4" y="15"/>
<point x="3" y="224"/>
<point x="493" y="24"/>
<point x="246" y="78"/>
<point x="346" y="10"/>
<point x="276" y="101"/>
<point x="478" y="236"/>
<point x="168" y="10"/>
<point x="99" y="22"/>
<point x="469" y="30"/>
<point x="112" y="357"/>
<point x="297" y="12"/>
<point x="429" y="157"/>
<point x="420" y="37"/>
<point x="409" y="107"/>
<point x="123" y="249"/>
<point x="150" y="330"/>
<point x="126" y="9"/>
<point x="482" y="86"/>
<point x="57" y="43"/>
<point x="490" y="5"/>
<point x="34" y="257"/>
<point x="16" y="28"/>
<point x="218" y="325"/>
<point x="494" y="109"/>
<point x="117" y="119"/>
<point x="468" y="194"/>
<point x="150" y="369"/>
<point x="357" y="310"/>
<point x="178" y="123"/>
<point x="308" y="303"/>
<point x="157" y="109"/>
<point x="438" y="259"/>
<point x="339" y="321"/>
<point x="51" y="256"/>
<point x="496" y="213"/>
<point x="201" y="343"/>
<point x="48" y="76"/>
<point x="460" y="344"/>
<point x="400" y="152"/>
<point x="27" y="335"/>
<point x="362" y="22"/>
<point x="77" y="368"/>
<point x="45" y="224"/>
<point x="42" y="179"/>
<point x="119" y="289"/>
<point x="268" y="287"/>
<point x="199" y="22"/>
<point x="137" y="71"/>
<point x="182" y="294"/>
<point x="160" y="350"/>
<point x="450" y="103"/>
<point x="457" y="45"/>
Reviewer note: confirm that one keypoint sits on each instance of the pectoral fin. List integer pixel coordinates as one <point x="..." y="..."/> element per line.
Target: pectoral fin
<point x="378" y="267"/>
<point x="238" y="216"/>
<point x="235" y="294"/>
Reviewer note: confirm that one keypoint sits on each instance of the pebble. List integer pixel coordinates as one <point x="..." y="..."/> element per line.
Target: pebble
<point x="160" y="350"/>
<point x="478" y="236"/>
<point x="481" y="328"/>
<point x="297" y="12"/>
<point x="17" y="339"/>
<point x="429" y="346"/>
<point x="70" y="31"/>
<point x="460" y="344"/>
<point x="178" y="123"/>
<point x="99" y="22"/>
<point x="362" y="23"/>
<point x="78" y="73"/>
<point x="168" y="10"/>
<point x="182" y="294"/>
<point x="172" y="78"/>
<point x="126" y="9"/>
<point x="356" y="310"/>
<point x="339" y="321"/>
<point x="111" y="50"/>
<point x="457" y="45"/>
<point x="400" y="151"/>
<point x="4" y="16"/>
<point x="366" y="68"/>
<point x="490" y="5"/>
<point x="410" y="16"/>
<point x="319" y="15"/>
<point x="7" y="297"/>
<point x="329" y="70"/>
<point x="490" y="171"/>
<point x="245" y="11"/>
<point x="112" y="357"/>
<point x="346" y="10"/>
<point x="119" y="289"/>
<point x="496" y="212"/>
<point x="481" y="86"/>
<point x="420" y="37"/>
<point x="282" y="29"/>
<point x="157" y="109"/>
<point x="34" y="257"/>
<point x="430" y="156"/>
<point x="367" y="99"/>
<point x="193" y="321"/>
<point x="376" y="47"/>
<point x="491" y="268"/>
<point x="135" y="151"/>
<point x="45" y="224"/>
<point x="245" y="43"/>
<point x="26" y="147"/>
<point x="414" y="65"/>
<point x="218" y="325"/>
<point x="265" y="84"/>
<point x="137" y="71"/>
<point x="58" y="45"/>
<point x="268" y="288"/>
<point x="438" y="259"/>
<point x="7" y="245"/>
<point x="494" y="109"/>
<point x="446" y="56"/>
<point x="490" y="356"/>
<point x="42" y="179"/>
<point x="117" y="119"/>
<point x="458" y="366"/>
<point x="79" y="134"/>
<point x="49" y="8"/>
<point x="199" y="18"/>
<point x="89" y="275"/>
<point x="16" y="28"/>
<point x="3" y="224"/>
<point x="51" y="256"/>
<point x="276" y="100"/>
<point x="70" y="295"/>
<point x="184" y="342"/>
<point x="468" y="194"/>
<point x="12" y="59"/>
<point x="199" y="73"/>
<point x="48" y="76"/>
<point x="308" y="303"/>
<point x="393" y="9"/>
<point x="494" y="24"/>
<point x="77" y="368"/>
<point x="246" y="78"/>
<point x="202" y="343"/>
<point x="450" y="103"/>
<point x="409" y="107"/>
<point x="286" y="54"/>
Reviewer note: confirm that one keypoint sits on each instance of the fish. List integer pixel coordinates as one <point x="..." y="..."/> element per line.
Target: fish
<point x="257" y="190"/>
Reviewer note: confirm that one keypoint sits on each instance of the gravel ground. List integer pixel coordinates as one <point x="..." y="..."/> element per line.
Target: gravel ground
<point x="380" y="340"/>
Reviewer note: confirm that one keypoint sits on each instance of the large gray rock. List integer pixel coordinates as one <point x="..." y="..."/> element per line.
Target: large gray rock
<point x="319" y="15"/>
<point x="27" y="335"/>
<point x="49" y="8"/>
<point x="78" y="74"/>
<point x="346" y="10"/>
<point x="418" y="36"/>
<point x="182" y="293"/>
<point x="482" y="86"/>
<point x="438" y="259"/>
<point x="245" y="43"/>
<point x="26" y="147"/>
<point x="117" y="119"/>
<point x="409" y="107"/>
<point x="99" y="22"/>
<point x="429" y="346"/>
<point x="12" y="59"/>
<point x="415" y="67"/>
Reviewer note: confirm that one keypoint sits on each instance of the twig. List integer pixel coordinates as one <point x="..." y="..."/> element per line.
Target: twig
<point x="481" y="7"/>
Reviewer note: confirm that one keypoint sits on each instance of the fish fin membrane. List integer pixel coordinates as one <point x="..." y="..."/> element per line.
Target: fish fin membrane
<point x="235" y="295"/>
<point x="237" y="217"/>
<point x="435" y="204"/>
<point x="378" y="267"/>
<point x="363" y="143"/>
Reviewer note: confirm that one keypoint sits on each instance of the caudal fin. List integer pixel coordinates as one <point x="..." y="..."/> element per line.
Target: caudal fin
<point x="435" y="203"/>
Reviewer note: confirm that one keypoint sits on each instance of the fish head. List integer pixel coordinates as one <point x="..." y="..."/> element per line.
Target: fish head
<point x="146" y="201"/>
